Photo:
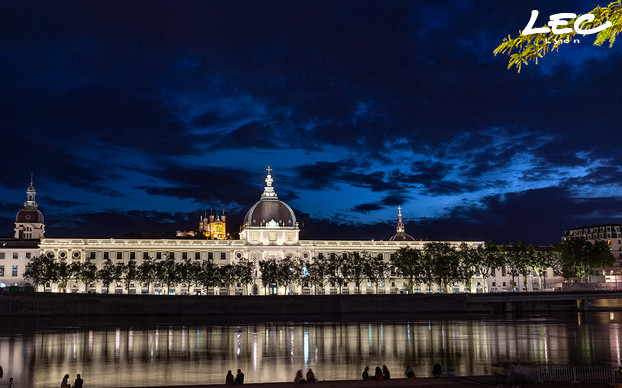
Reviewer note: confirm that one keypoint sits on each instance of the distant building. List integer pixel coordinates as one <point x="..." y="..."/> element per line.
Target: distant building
<point x="611" y="233"/>
<point x="401" y="235"/>
<point x="16" y="252"/>
<point x="29" y="221"/>
<point x="211" y="227"/>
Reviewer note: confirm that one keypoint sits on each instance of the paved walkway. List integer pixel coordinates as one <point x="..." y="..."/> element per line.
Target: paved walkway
<point x="452" y="382"/>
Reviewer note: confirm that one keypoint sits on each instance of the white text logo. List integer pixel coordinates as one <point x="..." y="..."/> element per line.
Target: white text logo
<point x="561" y="19"/>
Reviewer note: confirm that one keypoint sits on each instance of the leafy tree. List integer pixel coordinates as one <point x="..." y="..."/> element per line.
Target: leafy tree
<point x="166" y="271"/>
<point x="244" y="273"/>
<point x="106" y="274"/>
<point x="407" y="261"/>
<point x="445" y="263"/>
<point x="226" y="276"/>
<point x="85" y="271"/>
<point x="526" y="48"/>
<point x="354" y="268"/>
<point x="336" y="270"/>
<point x="427" y="273"/>
<point x="41" y="270"/>
<point x="517" y="260"/>
<point x="145" y="272"/>
<point x="188" y="271"/>
<point x="130" y="273"/>
<point x="63" y="274"/>
<point x="317" y="272"/>
<point x="269" y="273"/>
<point x="376" y="270"/>
<point x="539" y="260"/>
<point x="579" y="257"/>
<point x="471" y="263"/>
<point x="208" y="276"/>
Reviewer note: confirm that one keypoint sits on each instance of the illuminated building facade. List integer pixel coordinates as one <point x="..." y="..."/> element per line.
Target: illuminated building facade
<point x="269" y="231"/>
<point x="610" y="233"/>
<point x="16" y="252"/>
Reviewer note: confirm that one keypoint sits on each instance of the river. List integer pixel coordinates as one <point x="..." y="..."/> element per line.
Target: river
<point x="139" y="353"/>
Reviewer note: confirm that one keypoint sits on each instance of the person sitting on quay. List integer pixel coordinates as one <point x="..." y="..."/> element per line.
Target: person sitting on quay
<point x="436" y="371"/>
<point x="239" y="377"/>
<point x="378" y="374"/>
<point x="65" y="382"/>
<point x="78" y="382"/>
<point x="311" y="377"/>
<point x="365" y="374"/>
<point x="299" y="379"/>
<point x="385" y="373"/>
<point x="409" y="372"/>
<point x="229" y="378"/>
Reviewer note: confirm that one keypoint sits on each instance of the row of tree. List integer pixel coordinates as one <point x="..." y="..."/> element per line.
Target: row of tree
<point x="167" y="272"/>
<point x="436" y="263"/>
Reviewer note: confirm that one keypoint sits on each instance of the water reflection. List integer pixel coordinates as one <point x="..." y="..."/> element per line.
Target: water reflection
<point x="274" y="351"/>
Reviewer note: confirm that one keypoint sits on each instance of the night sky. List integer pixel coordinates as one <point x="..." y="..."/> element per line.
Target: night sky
<point x="139" y="116"/>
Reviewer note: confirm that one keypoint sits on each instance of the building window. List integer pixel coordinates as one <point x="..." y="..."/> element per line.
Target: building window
<point x="105" y="255"/>
<point x="15" y="255"/>
<point x="132" y="255"/>
<point x="197" y="255"/>
<point x="503" y="272"/>
<point x="171" y="255"/>
<point x="184" y="255"/>
<point x="92" y="255"/>
<point x="28" y="255"/>
<point x="210" y="255"/>
<point x="119" y="255"/>
<point x="1" y="255"/>
<point x="1" y="270"/>
<point x="145" y="255"/>
<point x="159" y="256"/>
<point x="223" y="256"/>
<point x="14" y="271"/>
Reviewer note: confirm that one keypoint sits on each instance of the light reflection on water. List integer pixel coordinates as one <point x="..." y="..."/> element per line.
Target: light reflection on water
<point x="126" y="356"/>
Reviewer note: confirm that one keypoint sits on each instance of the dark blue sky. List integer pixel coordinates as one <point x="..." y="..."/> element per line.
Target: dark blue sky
<point x="141" y="115"/>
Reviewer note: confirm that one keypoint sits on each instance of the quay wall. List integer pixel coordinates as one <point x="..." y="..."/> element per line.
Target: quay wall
<point x="260" y="307"/>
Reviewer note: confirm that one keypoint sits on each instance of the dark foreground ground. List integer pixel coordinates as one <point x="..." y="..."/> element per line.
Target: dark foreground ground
<point x="453" y="382"/>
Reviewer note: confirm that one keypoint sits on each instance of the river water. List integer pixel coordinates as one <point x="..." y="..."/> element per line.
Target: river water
<point x="144" y="353"/>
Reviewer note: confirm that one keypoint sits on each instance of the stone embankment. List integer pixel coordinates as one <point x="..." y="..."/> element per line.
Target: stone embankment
<point x="283" y="307"/>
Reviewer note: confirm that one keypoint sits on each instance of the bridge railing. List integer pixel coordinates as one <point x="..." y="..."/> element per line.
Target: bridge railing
<point x="573" y="374"/>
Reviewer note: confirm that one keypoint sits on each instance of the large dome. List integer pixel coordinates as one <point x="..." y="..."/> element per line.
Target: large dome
<point x="269" y="209"/>
<point x="29" y="215"/>
<point x="401" y="236"/>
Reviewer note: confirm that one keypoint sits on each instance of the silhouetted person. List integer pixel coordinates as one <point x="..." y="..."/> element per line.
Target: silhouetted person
<point x="65" y="382"/>
<point x="378" y="374"/>
<point x="229" y="378"/>
<point x="409" y="372"/>
<point x="239" y="378"/>
<point x="78" y="383"/>
<point x="299" y="379"/>
<point x="11" y="385"/>
<point x="436" y="370"/>
<point x="385" y="373"/>
<point x="365" y="374"/>
<point x="1" y="372"/>
<point x="311" y="377"/>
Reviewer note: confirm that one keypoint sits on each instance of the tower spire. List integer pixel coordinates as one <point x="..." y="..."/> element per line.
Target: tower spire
<point x="268" y="189"/>
<point x="400" y="223"/>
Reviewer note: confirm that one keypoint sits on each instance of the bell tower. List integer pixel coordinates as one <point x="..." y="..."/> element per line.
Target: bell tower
<point x="29" y="221"/>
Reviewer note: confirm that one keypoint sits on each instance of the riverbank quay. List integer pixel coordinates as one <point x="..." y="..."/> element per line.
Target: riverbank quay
<point x="296" y="306"/>
<point x="433" y="382"/>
